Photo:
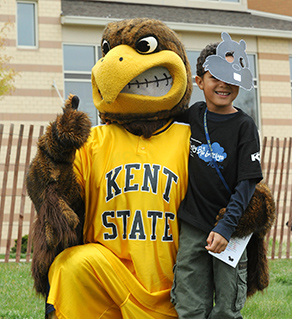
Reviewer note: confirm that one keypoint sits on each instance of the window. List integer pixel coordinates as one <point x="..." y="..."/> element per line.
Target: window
<point x="78" y="62"/>
<point x="198" y="94"/>
<point x="246" y="100"/>
<point x="26" y="24"/>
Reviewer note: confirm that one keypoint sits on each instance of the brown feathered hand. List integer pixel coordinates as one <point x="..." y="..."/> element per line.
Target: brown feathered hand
<point x="53" y="188"/>
<point x="257" y="219"/>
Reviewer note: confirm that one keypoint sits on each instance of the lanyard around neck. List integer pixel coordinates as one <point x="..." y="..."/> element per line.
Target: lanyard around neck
<point x="211" y="152"/>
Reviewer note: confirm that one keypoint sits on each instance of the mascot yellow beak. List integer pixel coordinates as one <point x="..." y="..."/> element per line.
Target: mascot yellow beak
<point x="125" y="81"/>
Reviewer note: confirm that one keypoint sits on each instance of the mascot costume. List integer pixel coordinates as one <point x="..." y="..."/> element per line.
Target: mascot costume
<point x="106" y="232"/>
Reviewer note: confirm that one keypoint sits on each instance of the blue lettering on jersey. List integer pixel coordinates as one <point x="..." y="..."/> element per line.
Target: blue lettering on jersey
<point x="106" y="223"/>
<point x="154" y="215"/>
<point x="124" y="214"/>
<point x="130" y="176"/>
<point x="167" y="236"/>
<point x="137" y="227"/>
<point x="150" y="178"/>
<point x="136" y="231"/>
<point x="151" y="175"/>
<point x="111" y="183"/>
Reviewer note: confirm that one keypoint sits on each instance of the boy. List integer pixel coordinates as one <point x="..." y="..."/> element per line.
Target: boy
<point x="226" y="137"/>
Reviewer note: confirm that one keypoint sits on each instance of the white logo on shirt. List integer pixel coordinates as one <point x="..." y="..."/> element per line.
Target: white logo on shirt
<point x="256" y="157"/>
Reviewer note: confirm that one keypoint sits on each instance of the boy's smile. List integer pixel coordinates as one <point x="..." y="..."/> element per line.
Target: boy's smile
<point x="222" y="93"/>
<point x="218" y="94"/>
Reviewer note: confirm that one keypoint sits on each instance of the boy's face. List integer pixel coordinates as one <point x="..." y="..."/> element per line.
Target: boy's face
<point x="219" y="95"/>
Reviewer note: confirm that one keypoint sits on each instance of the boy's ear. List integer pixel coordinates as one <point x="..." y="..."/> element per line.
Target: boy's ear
<point x="199" y="81"/>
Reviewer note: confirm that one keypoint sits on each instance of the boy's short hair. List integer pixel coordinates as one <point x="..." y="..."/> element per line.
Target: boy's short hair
<point x="210" y="49"/>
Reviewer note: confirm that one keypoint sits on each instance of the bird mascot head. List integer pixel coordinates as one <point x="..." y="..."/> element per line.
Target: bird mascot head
<point x="144" y="77"/>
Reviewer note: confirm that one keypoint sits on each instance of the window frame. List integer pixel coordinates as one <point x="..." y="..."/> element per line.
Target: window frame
<point x="257" y="87"/>
<point x="86" y="74"/>
<point x="35" y="25"/>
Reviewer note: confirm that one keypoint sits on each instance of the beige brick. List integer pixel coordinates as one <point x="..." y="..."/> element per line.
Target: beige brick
<point x="33" y="105"/>
<point x="274" y="67"/>
<point x="49" y="8"/>
<point x="280" y="111"/>
<point x="271" y="45"/>
<point x="277" y="131"/>
<point x="282" y="89"/>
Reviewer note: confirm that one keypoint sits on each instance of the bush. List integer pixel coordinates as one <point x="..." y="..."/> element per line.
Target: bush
<point x="24" y="241"/>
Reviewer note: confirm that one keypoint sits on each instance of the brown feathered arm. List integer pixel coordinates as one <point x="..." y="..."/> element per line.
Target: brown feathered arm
<point x="257" y="219"/>
<point x="53" y="188"/>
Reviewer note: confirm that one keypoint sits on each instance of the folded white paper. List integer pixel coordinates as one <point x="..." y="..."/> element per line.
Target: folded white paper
<point x="233" y="251"/>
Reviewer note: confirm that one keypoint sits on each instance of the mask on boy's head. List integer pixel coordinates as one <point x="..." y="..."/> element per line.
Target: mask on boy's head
<point x="230" y="64"/>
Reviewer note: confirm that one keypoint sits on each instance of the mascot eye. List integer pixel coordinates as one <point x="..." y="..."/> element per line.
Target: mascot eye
<point x="147" y="45"/>
<point x="105" y="47"/>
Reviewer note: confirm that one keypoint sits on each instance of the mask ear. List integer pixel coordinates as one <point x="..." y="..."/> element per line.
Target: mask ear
<point x="200" y="82"/>
<point x="225" y="36"/>
<point x="242" y="44"/>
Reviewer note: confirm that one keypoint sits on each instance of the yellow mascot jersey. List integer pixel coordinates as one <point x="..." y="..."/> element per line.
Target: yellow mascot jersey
<point x="132" y="188"/>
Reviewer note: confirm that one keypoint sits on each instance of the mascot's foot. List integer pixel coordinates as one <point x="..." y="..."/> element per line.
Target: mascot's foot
<point x="52" y="315"/>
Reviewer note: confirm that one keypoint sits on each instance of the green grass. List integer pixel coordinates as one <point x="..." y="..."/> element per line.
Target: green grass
<point x="17" y="297"/>
<point x="276" y="301"/>
<point x="18" y="300"/>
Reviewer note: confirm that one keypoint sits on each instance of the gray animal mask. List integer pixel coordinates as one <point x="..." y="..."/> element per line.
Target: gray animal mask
<point x="235" y="70"/>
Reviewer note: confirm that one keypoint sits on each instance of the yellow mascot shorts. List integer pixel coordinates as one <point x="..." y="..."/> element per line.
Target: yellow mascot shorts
<point x="89" y="281"/>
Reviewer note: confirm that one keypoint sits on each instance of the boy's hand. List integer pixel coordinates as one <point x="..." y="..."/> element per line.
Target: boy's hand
<point x="216" y="243"/>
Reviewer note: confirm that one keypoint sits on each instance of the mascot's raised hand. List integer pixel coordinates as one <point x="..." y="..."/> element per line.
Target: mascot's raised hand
<point x="53" y="188"/>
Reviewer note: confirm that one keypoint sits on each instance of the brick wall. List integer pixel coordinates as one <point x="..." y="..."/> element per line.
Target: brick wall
<point x="272" y="6"/>
<point x="275" y="89"/>
<point x="34" y="100"/>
